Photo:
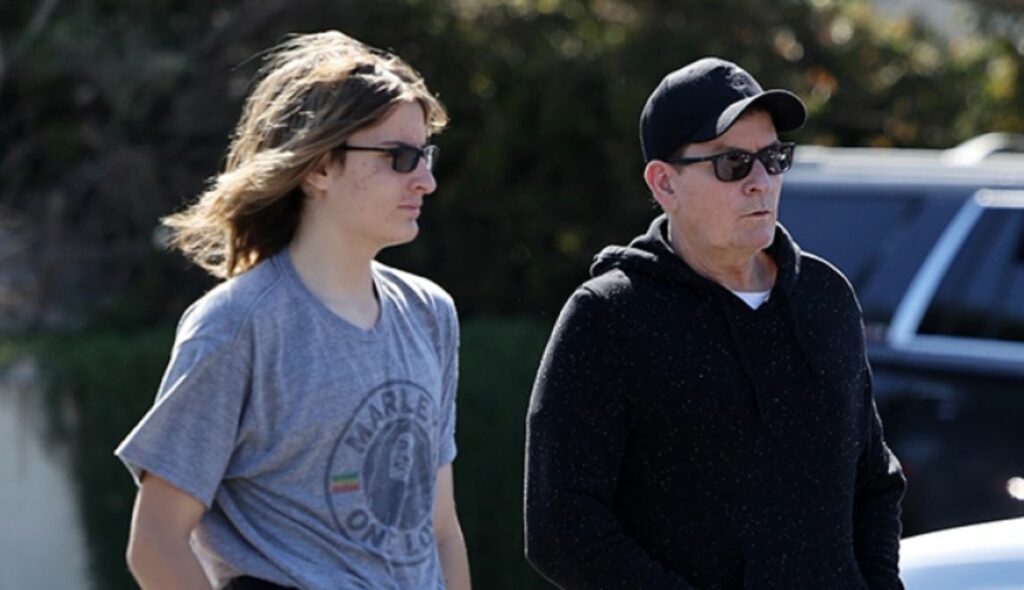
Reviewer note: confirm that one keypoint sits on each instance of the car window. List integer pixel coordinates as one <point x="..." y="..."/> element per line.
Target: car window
<point x="982" y="293"/>
<point x="877" y="236"/>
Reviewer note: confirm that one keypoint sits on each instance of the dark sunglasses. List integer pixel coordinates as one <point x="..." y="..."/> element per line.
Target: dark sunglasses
<point x="736" y="164"/>
<point x="404" y="158"/>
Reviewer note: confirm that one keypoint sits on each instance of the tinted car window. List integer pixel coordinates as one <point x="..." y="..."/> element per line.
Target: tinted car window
<point x="982" y="293"/>
<point x="878" y="236"/>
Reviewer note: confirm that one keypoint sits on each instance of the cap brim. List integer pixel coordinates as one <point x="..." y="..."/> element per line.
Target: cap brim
<point x="786" y="109"/>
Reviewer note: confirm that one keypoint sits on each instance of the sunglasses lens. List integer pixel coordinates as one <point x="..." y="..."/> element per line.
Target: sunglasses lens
<point x="431" y="152"/>
<point x="777" y="159"/>
<point x="785" y="157"/>
<point x="404" y="159"/>
<point x="733" y="166"/>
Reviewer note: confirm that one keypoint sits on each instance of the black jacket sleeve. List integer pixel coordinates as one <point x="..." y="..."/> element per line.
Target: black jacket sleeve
<point x="576" y="436"/>
<point x="876" y="510"/>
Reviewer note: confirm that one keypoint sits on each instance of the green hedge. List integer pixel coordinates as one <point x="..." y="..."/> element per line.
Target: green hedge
<point x="100" y="384"/>
<point x="499" y="360"/>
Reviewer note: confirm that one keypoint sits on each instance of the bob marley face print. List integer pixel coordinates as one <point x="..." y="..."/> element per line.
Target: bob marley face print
<point x="380" y="473"/>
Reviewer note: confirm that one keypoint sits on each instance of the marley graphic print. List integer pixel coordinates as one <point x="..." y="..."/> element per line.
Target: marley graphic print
<point x="381" y="475"/>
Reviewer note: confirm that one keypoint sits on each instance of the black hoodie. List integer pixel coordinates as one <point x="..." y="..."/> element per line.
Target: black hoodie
<point x="677" y="438"/>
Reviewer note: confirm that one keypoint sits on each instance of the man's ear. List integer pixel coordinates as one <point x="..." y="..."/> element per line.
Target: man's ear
<point x="316" y="180"/>
<point x="658" y="175"/>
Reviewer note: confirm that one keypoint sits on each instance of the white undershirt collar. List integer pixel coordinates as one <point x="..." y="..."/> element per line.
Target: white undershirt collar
<point x="753" y="299"/>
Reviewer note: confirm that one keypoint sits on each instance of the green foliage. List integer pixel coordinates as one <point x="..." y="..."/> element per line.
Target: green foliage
<point x="99" y="386"/>
<point x="498" y="361"/>
<point x="115" y="113"/>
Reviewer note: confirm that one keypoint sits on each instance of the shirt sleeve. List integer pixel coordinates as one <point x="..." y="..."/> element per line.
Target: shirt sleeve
<point x="449" y="384"/>
<point x="876" y="510"/>
<point x="187" y="438"/>
<point x="576" y="438"/>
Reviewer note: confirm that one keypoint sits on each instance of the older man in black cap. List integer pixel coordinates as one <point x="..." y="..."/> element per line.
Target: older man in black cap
<point x="703" y="414"/>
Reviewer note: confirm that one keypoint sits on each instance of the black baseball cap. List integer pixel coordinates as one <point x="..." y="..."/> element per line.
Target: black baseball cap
<point x="700" y="101"/>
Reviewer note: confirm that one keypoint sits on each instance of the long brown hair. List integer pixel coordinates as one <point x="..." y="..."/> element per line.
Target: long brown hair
<point x="313" y="92"/>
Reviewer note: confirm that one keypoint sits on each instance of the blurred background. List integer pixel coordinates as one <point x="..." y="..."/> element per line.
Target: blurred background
<point x="114" y="113"/>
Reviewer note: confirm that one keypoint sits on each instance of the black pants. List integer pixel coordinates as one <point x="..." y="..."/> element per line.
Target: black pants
<point x="250" y="583"/>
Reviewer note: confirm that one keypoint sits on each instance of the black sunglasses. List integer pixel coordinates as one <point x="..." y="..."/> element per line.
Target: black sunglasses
<point x="404" y="158"/>
<point x="736" y="164"/>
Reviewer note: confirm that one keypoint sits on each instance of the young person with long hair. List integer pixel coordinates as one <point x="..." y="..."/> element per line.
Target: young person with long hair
<point x="303" y="433"/>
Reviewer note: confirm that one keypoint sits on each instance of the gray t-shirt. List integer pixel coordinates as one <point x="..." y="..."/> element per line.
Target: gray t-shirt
<point x="314" y="444"/>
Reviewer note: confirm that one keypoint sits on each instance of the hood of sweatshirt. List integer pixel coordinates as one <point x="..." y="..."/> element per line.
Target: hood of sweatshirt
<point x="652" y="255"/>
